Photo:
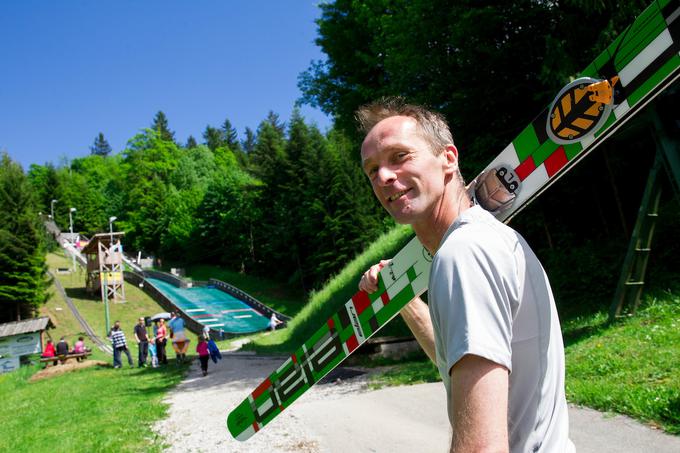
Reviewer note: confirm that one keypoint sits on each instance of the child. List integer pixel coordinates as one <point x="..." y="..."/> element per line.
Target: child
<point x="152" y="351"/>
<point x="203" y="354"/>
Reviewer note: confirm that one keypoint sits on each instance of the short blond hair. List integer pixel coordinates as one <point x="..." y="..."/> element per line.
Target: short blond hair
<point x="432" y="125"/>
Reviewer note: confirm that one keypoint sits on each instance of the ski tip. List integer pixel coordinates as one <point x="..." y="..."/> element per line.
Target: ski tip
<point x="241" y="422"/>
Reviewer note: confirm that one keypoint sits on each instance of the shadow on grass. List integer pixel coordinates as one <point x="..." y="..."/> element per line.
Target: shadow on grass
<point x="80" y="293"/>
<point x="578" y="334"/>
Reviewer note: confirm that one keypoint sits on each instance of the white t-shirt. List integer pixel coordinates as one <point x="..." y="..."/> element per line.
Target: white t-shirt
<point x="489" y="296"/>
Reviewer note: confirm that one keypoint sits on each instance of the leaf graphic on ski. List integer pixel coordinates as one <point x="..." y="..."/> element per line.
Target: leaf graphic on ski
<point x="580" y="108"/>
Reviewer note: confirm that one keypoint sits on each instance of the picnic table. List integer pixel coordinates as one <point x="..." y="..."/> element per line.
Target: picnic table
<point x="62" y="358"/>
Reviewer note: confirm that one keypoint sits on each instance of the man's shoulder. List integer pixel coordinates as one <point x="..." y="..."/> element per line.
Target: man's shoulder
<point x="477" y="231"/>
<point x="469" y="238"/>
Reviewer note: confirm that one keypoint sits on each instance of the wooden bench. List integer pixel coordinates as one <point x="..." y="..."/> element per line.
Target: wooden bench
<point x="391" y="347"/>
<point x="64" y="357"/>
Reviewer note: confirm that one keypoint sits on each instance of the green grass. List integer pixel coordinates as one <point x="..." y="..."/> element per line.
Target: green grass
<point x="337" y="291"/>
<point x="415" y="372"/>
<point x="631" y="367"/>
<point x="95" y="409"/>
<point x="414" y="368"/>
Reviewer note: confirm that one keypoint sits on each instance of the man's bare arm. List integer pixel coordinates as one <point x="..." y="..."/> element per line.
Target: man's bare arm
<point x="479" y="401"/>
<point x="416" y="314"/>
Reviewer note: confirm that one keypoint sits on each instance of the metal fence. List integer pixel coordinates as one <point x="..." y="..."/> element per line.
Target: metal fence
<point x="248" y="300"/>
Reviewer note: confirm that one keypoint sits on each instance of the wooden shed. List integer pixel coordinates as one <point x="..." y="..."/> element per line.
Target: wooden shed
<point x="21" y="338"/>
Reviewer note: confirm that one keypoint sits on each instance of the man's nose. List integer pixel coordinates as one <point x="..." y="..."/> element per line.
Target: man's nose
<point x="386" y="176"/>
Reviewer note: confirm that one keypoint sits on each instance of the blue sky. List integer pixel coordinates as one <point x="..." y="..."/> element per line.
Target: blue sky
<point x="70" y="69"/>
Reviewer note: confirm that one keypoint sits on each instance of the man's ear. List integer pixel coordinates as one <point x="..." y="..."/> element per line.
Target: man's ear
<point x="451" y="155"/>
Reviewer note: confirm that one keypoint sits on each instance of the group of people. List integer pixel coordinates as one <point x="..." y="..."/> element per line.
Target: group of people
<point x="154" y="344"/>
<point x="61" y="350"/>
<point x="148" y="344"/>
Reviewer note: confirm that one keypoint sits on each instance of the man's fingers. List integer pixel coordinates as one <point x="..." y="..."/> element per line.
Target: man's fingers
<point x="369" y="281"/>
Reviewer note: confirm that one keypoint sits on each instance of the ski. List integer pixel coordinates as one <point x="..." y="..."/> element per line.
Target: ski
<point x="641" y="63"/>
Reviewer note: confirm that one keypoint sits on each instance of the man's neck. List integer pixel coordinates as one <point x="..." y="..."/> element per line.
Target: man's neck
<point x="431" y="231"/>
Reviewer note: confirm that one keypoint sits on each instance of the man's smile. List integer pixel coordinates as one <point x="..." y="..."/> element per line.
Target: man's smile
<point x="397" y="195"/>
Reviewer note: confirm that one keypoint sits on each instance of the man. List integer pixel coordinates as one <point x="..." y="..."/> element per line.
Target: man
<point x="142" y="342"/>
<point x="274" y="321"/>
<point x="62" y="347"/>
<point x="119" y="345"/>
<point x="491" y="325"/>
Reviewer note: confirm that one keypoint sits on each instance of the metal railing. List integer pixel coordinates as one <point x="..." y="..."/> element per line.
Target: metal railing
<point x="248" y="300"/>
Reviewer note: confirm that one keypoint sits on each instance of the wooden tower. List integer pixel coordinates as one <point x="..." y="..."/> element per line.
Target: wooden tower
<point x="104" y="255"/>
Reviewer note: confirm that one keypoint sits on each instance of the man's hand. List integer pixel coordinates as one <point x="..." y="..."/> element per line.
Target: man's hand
<point x="415" y="313"/>
<point x="369" y="281"/>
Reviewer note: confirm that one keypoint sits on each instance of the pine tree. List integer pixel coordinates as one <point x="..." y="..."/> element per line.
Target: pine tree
<point x="100" y="147"/>
<point x="231" y="141"/>
<point x="191" y="142"/>
<point x="160" y="125"/>
<point x="22" y="262"/>
<point x="230" y="136"/>
<point x="249" y="142"/>
<point x="213" y="138"/>
<point x="269" y="161"/>
<point x="274" y="120"/>
<point x="296" y="193"/>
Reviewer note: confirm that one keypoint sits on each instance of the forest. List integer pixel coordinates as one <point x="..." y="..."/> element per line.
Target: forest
<point x="289" y="201"/>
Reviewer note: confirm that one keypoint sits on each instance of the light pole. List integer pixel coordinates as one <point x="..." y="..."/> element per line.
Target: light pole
<point x="52" y="207"/>
<point x="70" y="222"/>
<point x="111" y="220"/>
<point x="105" y="282"/>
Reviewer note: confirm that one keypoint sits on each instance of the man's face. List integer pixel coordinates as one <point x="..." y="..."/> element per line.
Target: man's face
<point x="406" y="176"/>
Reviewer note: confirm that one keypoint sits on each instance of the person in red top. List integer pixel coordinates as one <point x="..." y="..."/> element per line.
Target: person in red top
<point x="49" y="351"/>
<point x="203" y="354"/>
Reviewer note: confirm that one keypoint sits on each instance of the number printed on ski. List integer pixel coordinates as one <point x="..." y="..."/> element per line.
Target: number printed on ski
<point x="642" y="62"/>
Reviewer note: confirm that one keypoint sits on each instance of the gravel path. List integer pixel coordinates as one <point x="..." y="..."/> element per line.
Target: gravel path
<point x="345" y="416"/>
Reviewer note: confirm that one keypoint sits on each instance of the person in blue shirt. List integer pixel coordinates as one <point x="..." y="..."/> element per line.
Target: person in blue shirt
<point x="180" y="342"/>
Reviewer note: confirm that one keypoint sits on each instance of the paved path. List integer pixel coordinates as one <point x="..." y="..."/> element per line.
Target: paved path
<point x="346" y="416"/>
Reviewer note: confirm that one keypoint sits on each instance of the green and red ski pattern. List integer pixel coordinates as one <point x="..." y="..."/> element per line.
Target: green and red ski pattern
<point x="357" y="320"/>
<point x="646" y="58"/>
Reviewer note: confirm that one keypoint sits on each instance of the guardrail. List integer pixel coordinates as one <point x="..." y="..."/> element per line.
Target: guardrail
<point x="248" y="300"/>
<point x="167" y="278"/>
